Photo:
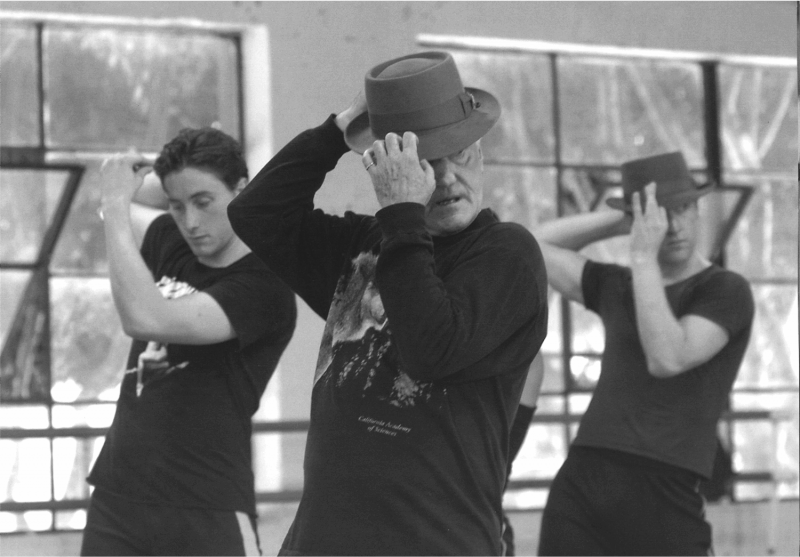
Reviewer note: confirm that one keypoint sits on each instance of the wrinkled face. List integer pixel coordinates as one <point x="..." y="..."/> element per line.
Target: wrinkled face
<point x="458" y="196"/>
<point x="198" y="202"/>
<point x="680" y="241"/>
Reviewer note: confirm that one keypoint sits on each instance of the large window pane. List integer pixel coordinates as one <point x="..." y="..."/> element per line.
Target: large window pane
<point x="83" y="415"/>
<point x="613" y="110"/>
<point x="542" y="453"/>
<point x="287" y="472"/>
<point x="759" y="118"/>
<point x="28" y="521"/>
<point x="586" y="189"/>
<point x="12" y="286"/>
<point x="81" y="248"/>
<point x="71" y="520"/>
<point x="759" y="443"/>
<point x="25" y="357"/>
<point x="588" y="333"/>
<point x="771" y="359"/>
<point x="553" y="380"/>
<point x="522" y="85"/>
<point x="274" y="521"/>
<point x="89" y="348"/>
<point x="553" y="343"/>
<point x="28" y="199"/>
<point x="19" y="92"/>
<point x="523" y="195"/>
<point x="24" y="416"/>
<point x="113" y="89"/>
<point x="764" y="243"/>
<point x="72" y="461"/>
<point x="25" y="467"/>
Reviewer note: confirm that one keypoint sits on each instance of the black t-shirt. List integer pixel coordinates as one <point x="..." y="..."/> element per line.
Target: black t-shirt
<point x="672" y="420"/>
<point x="181" y="433"/>
<point x="427" y="344"/>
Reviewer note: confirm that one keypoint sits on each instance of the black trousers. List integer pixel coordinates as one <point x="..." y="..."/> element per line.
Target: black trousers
<point x="116" y="526"/>
<point x="606" y="502"/>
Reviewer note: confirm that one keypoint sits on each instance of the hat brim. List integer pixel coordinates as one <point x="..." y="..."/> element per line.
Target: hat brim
<point x="668" y="202"/>
<point x="438" y="142"/>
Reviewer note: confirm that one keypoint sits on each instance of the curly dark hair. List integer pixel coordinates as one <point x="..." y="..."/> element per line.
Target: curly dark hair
<point x="204" y="148"/>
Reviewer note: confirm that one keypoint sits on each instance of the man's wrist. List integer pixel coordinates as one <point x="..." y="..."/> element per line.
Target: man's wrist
<point x="116" y="207"/>
<point x="344" y="118"/>
<point x="644" y="261"/>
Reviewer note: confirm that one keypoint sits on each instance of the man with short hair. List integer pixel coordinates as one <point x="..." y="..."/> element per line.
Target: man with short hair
<point x="209" y="323"/>
<point x="676" y="329"/>
<point x="434" y="311"/>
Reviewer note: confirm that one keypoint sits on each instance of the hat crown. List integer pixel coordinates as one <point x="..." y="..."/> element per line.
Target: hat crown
<point x="412" y="83"/>
<point x="422" y="93"/>
<point x="668" y="168"/>
<point x="674" y="183"/>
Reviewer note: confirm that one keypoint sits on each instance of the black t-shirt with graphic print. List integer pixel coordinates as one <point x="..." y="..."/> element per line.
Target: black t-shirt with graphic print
<point x="181" y="433"/>
<point x="427" y="344"/>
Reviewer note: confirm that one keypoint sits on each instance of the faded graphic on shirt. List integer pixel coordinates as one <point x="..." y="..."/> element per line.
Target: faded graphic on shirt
<point x="153" y="363"/>
<point x="357" y="350"/>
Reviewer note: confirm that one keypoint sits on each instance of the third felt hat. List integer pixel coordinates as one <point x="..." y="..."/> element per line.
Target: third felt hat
<point x="674" y="183"/>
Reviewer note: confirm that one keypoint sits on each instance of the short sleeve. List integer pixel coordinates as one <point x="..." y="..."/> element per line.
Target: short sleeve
<point x="258" y="304"/>
<point x="597" y="278"/>
<point x="724" y="298"/>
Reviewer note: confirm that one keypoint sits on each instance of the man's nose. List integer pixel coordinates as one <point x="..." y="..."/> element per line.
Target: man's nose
<point x="191" y="218"/>
<point x="443" y="172"/>
<point x="672" y="223"/>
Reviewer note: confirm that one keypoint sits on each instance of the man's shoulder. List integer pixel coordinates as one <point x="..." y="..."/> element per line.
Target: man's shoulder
<point x="509" y="231"/>
<point x="721" y="279"/>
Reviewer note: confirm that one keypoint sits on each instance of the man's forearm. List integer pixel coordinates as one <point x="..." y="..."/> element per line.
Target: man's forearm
<point x="660" y="332"/>
<point x="136" y="296"/>
<point x="578" y="231"/>
<point x="151" y="193"/>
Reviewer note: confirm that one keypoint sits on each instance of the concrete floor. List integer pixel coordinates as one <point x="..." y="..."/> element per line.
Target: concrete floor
<point x="739" y="529"/>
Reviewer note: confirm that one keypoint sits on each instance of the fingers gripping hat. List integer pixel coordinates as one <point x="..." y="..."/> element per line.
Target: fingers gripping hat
<point x="674" y="184"/>
<point x="422" y="93"/>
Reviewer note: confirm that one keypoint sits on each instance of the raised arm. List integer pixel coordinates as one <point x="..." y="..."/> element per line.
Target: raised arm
<point x="148" y="202"/>
<point x="144" y="312"/>
<point x="561" y="240"/>
<point x="671" y="345"/>
<point x="275" y="214"/>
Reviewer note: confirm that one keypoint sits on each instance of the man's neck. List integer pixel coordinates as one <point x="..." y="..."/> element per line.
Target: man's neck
<point x="682" y="271"/>
<point x="231" y="254"/>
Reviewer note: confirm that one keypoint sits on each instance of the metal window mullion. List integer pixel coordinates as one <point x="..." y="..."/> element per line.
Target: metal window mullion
<point x="566" y="321"/>
<point x="40" y="80"/>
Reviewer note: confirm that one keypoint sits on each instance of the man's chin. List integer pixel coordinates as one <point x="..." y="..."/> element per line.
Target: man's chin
<point x="448" y="226"/>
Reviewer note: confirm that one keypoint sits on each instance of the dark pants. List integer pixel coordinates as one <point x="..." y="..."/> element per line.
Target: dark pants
<point x="116" y="526"/>
<point x="606" y="502"/>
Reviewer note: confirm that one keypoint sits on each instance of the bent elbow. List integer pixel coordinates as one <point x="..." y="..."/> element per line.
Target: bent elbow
<point x="661" y="369"/>
<point x="137" y="329"/>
